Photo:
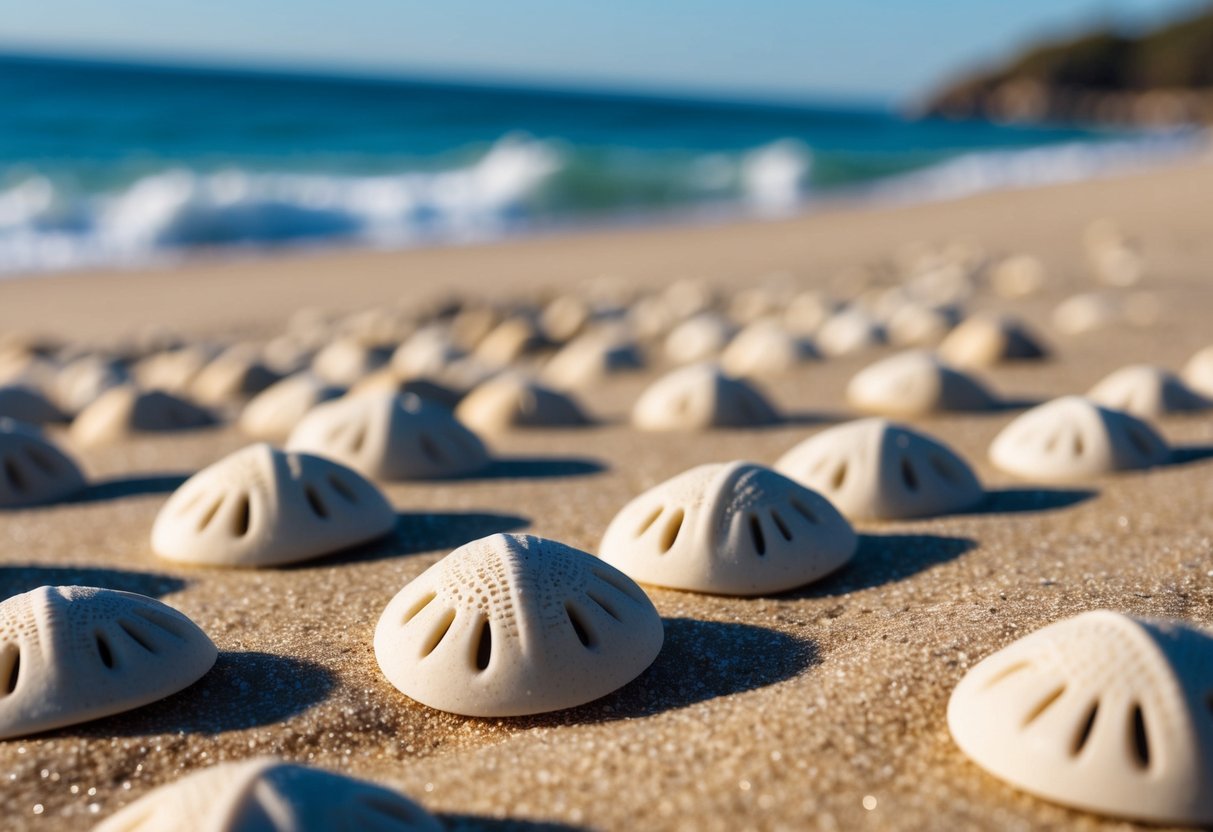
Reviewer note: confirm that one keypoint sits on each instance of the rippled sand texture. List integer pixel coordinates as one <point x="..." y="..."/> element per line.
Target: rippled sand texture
<point x="823" y="708"/>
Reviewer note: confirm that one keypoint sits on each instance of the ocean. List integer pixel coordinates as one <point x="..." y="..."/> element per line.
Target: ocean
<point x="124" y="165"/>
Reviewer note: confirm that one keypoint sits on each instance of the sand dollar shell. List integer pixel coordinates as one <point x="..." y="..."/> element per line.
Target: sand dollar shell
<point x="27" y="404"/>
<point x="1102" y="712"/>
<point x="123" y="411"/>
<point x="592" y="356"/>
<point x="729" y="529"/>
<point x="1146" y="392"/>
<point x="699" y="338"/>
<point x="33" y="471"/>
<point x="764" y="348"/>
<point x="700" y="397"/>
<point x="985" y="340"/>
<point x="1198" y="372"/>
<point x="878" y="470"/>
<point x="273" y="413"/>
<point x="514" y="401"/>
<point x="69" y="654"/>
<point x="236" y="373"/>
<point x="344" y="361"/>
<point x="848" y="331"/>
<point x="268" y="795"/>
<point x="390" y="437"/>
<point x="1072" y="438"/>
<point x="263" y="507"/>
<point x="916" y="383"/>
<point x="513" y="624"/>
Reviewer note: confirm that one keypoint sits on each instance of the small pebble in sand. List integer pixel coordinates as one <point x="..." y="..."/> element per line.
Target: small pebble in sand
<point x="513" y="624"/>
<point x="728" y="529"/>
<point x="1102" y="712"/>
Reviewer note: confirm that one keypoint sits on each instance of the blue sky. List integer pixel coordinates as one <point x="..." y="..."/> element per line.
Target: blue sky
<point x="885" y="50"/>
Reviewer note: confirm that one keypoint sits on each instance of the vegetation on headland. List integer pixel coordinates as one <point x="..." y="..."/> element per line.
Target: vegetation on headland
<point x="1164" y="76"/>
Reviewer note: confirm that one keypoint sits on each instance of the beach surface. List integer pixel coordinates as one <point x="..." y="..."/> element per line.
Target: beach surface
<point x="822" y="708"/>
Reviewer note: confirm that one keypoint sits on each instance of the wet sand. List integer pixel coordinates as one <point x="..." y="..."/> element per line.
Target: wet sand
<point x="822" y="708"/>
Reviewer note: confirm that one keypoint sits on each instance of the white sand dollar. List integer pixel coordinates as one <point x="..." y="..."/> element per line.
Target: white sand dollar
<point x="592" y="356"/>
<point x="729" y="529"/>
<point x="1146" y="391"/>
<point x="173" y="370"/>
<point x="916" y="383"/>
<point x="986" y="340"/>
<point x="919" y="324"/>
<point x="512" y="400"/>
<point x="33" y="471"/>
<point x="698" y="397"/>
<point x="262" y="507"/>
<point x="236" y="373"/>
<point x="82" y="381"/>
<point x="1198" y="372"/>
<point x="698" y="339"/>
<point x="1102" y="712"/>
<point x="267" y="795"/>
<point x="508" y="341"/>
<point x="391" y="437"/>
<point x="27" y="404"/>
<point x="764" y="348"/>
<point x="273" y="413"/>
<point x="513" y="624"/>
<point x="874" y="469"/>
<point x="344" y="361"/>
<point x="1088" y="312"/>
<point x="848" y="331"/>
<point x="124" y="411"/>
<point x="1072" y="438"/>
<point x="1017" y="276"/>
<point x="69" y="654"/>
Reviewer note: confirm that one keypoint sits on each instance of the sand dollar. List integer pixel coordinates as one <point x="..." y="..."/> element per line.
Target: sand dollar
<point x="698" y="397"/>
<point x="916" y="383"/>
<point x="513" y="624"/>
<point x="1146" y="391"/>
<point x="33" y="470"/>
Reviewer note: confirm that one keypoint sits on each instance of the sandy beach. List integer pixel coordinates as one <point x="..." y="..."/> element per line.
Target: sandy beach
<point x="821" y="709"/>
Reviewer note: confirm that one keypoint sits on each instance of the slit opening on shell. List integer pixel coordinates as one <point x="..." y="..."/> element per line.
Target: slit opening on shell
<point x="1138" y="441"/>
<point x="673" y="526"/>
<point x="395" y="810"/>
<point x="14" y="474"/>
<point x="1085" y="729"/>
<point x="10" y="667"/>
<point x="1043" y="705"/>
<point x="607" y="607"/>
<point x="784" y="531"/>
<point x="431" y="450"/>
<point x="945" y="469"/>
<point x="908" y="476"/>
<point x="104" y="650"/>
<point x="315" y="503"/>
<point x="484" y="645"/>
<point x="358" y="439"/>
<point x="649" y="520"/>
<point x="1140" y="738"/>
<point x="803" y="510"/>
<point x="1077" y="444"/>
<point x="438" y="633"/>
<point x="577" y="620"/>
<point x="166" y="623"/>
<point x="209" y="514"/>
<point x="243" y="516"/>
<point x="840" y="476"/>
<point x="415" y="610"/>
<point x="760" y="542"/>
<point x="139" y="638"/>
<point x="614" y="583"/>
<point x="342" y="488"/>
<point x="42" y="461"/>
<point x="1006" y="672"/>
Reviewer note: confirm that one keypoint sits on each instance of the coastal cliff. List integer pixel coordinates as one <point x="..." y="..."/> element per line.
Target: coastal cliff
<point x="1160" y="77"/>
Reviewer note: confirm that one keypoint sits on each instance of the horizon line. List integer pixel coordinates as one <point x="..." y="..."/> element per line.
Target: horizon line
<point x="483" y="79"/>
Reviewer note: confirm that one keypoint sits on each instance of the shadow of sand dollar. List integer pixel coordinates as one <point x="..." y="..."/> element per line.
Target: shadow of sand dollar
<point x="117" y="488"/>
<point x="1016" y="500"/>
<point x="481" y="823"/>
<point x="538" y="467"/>
<point x="243" y="690"/>
<point x="887" y="558"/>
<point x="418" y="532"/>
<point x="1187" y="454"/>
<point x="700" y="660"/>
<point x="18" y="578"/>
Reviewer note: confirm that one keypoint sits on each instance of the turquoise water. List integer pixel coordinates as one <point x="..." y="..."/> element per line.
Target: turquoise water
<point x="119" y="164"/>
